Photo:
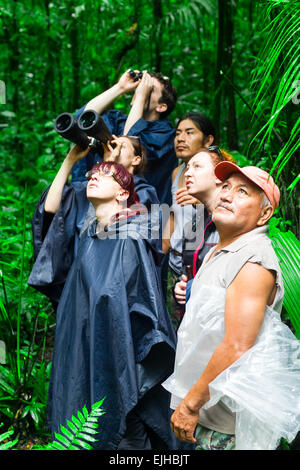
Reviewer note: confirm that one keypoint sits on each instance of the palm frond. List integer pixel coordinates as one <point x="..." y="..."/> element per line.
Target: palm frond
<point x="274" y="79"/>
<point x="287" y="248"/>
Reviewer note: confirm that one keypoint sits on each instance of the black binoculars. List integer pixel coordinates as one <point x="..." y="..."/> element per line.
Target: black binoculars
<point x="89" y="124"/>
<point x="135" y="75"/>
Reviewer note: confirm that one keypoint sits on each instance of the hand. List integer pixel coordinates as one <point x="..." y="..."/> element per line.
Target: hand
<point x="183" y="422"/>
<point x="127" y="83"/>
<point x="183" y="198"/>
<point x="145" y="86"/>
<point x="112" y="154"/>
<point x="180" y="290"/>
<point x="76" y="153"/>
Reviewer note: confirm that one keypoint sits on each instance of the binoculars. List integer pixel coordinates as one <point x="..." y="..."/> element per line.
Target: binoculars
<point x="89" y="124"/>
<point x="135" y="75"/>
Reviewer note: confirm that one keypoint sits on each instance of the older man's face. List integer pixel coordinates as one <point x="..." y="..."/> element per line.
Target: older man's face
<point x="239" y="205"/>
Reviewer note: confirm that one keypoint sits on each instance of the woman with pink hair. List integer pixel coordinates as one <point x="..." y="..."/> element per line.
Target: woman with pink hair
<point x="113" y="338"/>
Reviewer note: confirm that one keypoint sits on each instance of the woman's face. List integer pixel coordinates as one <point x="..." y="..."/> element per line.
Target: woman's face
<point x="103" y="185"/>
<point x="200" y="176"/>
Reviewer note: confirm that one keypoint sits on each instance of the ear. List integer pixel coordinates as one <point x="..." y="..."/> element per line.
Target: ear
<point x="161" y="108"/>
<point x="266" y="214"/>
<point x="209" y="140"/>
<point x="123" y="195"/>
<point x="136" y="160"/>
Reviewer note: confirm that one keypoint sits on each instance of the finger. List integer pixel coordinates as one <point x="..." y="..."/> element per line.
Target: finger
<point x="181" y="200"/>
<point x="189" y="436"/>
<point x="180" y="301"/>
<point x="179" y="295"/>
<point x="181" y="190"/>
<point x="186" y="201"/>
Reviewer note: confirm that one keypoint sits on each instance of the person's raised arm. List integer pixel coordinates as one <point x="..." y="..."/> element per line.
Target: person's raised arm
<point x="103" y="101"/>
<point x="54" y="195"/>
<point x="141" y="96"/>
<point x="244" y="314"/>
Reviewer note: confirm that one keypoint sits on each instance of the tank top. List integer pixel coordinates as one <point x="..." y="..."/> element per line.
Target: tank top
<point x="182" y="215"/>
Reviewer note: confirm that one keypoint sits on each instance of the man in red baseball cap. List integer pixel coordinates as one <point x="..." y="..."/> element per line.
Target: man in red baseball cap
<point x="261" y="178"/>
<point x="230" y="371"/>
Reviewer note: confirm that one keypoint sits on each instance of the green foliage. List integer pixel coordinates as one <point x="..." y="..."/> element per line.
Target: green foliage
<point x="275" y="80"/>
<point x="80" y="431"/>
<point x="287" y="249"/>
<point x="4" y="437"/>
<point x="235" y="61"/>
<point x="24" y="321"/>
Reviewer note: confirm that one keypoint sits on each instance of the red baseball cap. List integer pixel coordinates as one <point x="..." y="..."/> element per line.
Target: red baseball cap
<point x="261" y="178"/>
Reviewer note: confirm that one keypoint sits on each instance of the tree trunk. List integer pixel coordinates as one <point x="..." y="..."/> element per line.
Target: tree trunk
<point x="224" y="91"/>
<point x="232" y="134"/>
<point x="218" y="77"/>
<point x="75" y="63"/>
<point x="158" y="14"/>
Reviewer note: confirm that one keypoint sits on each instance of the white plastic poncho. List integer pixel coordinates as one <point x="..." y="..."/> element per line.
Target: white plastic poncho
<point x="262" y="387"/>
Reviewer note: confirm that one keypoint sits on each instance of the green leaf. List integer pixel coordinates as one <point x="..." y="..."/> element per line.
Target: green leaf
<point x="81" y="417"/>
<point x="76" y="422"/>
<point x="8" y="445"/>
<point x="72" y="426"/>
<point x="56" y="445"/>
<point x="287" y="248"/>
<point x="66" y="432"/>
<point x="61" y="438"/>
<point x="85" y="412"/>
<point x="87" y="437"/>
<point x="83" y="444"/>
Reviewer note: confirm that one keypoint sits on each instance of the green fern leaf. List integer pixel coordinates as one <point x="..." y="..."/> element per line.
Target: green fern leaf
<point x="55" y="446"/>
<point x="72" y="426"/>
<point x="72" y="447"/>
<point x="81" y="417"/>
<point x="76" y="422"/>
<point x="66" y="432"/>
<point x="62" y="439"/>
<point x="83" y="444"/>
<point x="91" y="430"/>
<point x="87" y="437"/>
<point x="85" y="412"/>
<point x="96" y="406"/>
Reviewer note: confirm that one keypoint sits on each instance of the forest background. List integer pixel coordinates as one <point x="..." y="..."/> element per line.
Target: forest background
<point x="236" y="61"/>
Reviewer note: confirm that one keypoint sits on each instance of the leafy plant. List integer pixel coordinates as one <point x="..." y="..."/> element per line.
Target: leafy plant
<point x="276" y="108"/>
<point x="9" y="444"/>
<point x="24" y="376"/>
<point x="81" y="431"/>
<point x="287" y="249"/>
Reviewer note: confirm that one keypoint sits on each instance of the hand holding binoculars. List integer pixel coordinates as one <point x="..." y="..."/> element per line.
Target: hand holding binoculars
<point x="135" y="75"/>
